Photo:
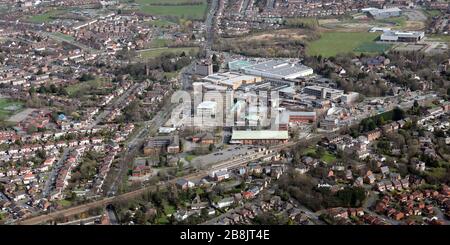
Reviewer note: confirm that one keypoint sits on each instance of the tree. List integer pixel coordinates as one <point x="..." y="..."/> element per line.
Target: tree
<point x="86" y="77"/>
<point x="398" y="114"/>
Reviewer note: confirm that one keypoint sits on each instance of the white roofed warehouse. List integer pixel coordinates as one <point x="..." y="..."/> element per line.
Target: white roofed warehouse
<point x="259" y="137"/>
<point x="278" y="69"/>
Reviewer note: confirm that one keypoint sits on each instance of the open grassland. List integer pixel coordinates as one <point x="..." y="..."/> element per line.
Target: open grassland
<point x="189" y="9"/>
<point x="9" y="107"/>
<point x="149" y="54"/>
<point x="332" y="43"/>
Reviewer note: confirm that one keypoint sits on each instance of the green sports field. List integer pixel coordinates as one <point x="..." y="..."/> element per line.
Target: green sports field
<point x="188" y="9"/>
<point x="333" y="43"/>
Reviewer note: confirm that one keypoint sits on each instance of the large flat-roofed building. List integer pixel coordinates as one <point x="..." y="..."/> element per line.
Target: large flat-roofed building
<point x="402" y="36"/>
<point x="260" y="137"/>
<point x="231" y="79"/>
<point x="278" y="69"/>
<point x="323" y="92"/>
<point x="382" y="13"/>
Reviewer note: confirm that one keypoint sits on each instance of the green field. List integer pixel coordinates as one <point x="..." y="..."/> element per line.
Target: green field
<point x="160" y="23"/>
<point x="440" y="37"/>
<point x="63" y="36"/>
<point x="159" y="43"/>
<point x="149" y="54"/>
<point x="83" y="87"/>
<point x="171" y="75"/>
<point x="9" y="107"/>
<point x="432" y="13"/>
<point x="175" y="8"/>
<point x="333" y="43"/>
<point x="45" y="17"/>
<point x="372" y="47"/>
<point x="326" y="157"/>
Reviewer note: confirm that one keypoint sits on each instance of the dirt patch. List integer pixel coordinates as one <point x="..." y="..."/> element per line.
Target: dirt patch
<point x="280" y="34"/>
<point x="328" y="21"/>
<point x="414" y="25"/>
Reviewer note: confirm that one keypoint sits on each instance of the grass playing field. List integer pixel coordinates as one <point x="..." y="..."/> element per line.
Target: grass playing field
<point x="9" y="107"/>
<point x="332" y="43"/>
<point x="149" y="54"/>
<point x="188" y="9"/>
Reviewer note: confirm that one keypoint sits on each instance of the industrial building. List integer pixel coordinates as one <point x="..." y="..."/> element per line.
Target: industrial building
<point x="259" y="137"/>
<point x="379" y="14"/>
<point x="402" y="36"/>
<point x="278" y="69"/>
<point x="231" y="79"/>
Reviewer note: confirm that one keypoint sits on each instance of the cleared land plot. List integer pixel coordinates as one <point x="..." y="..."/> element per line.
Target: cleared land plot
<point x="333" y="43"/>
<point x="153" y="53"/>
<point x="9" y="107"/>
<point x="189" y="9"/>
<point x="20" y="116"/>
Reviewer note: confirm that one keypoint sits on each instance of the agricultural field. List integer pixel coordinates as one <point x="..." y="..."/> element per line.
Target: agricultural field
<point x="9" y="107"/>
<point x="188" y="9"/>
<point x="332" y="43"/>
<point x="153" y="53"/>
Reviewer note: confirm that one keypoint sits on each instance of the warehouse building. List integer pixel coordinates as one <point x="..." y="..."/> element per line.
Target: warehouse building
<point x="379" y="14"/>
<point x="402" y="36"/>
<point x="259" y="137"/>
<point x="278" y="69"/>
